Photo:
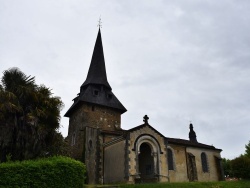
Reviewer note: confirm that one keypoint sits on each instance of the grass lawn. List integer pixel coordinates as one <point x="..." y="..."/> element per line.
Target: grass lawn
<point x="221" y="184"/>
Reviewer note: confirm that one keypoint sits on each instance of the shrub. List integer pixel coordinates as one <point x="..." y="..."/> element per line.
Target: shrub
<point x="49" y="172"/>
<point x="241" y="167"/>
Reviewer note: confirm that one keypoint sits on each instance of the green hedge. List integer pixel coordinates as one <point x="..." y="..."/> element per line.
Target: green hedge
<point x="49" y="172"/>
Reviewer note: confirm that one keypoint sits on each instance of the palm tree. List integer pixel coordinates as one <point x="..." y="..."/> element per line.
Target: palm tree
<point x="29" y="116"/>
<point x="9" y="106"/>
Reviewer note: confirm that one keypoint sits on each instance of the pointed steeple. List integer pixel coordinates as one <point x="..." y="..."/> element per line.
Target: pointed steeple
<point x="96" y="89"/>
<point x="97" y="71"/>
<point x="192" y="134"/>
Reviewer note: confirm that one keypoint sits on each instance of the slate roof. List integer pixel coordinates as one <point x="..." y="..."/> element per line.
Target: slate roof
<point x="96" y="89"/>
<point x="189" y="143"/>
<point x="97" y="70"/>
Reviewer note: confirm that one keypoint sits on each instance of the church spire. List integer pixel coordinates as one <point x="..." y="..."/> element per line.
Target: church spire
<point x="96" y="90"/>
<point x="192" y="134"/>
<point x="97" y="70"/>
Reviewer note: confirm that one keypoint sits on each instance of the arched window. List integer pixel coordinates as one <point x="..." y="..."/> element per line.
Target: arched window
<point x="204" y="162"/>
<point x="170" y="159"/>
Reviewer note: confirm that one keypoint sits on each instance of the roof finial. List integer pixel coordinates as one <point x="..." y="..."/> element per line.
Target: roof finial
<point x="192" y="134"/>
<point x="99" y="23"/>
<point x="145" y="119"/>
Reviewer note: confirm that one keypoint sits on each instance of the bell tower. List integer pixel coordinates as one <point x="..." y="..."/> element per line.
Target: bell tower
<point x="95" y="106"/>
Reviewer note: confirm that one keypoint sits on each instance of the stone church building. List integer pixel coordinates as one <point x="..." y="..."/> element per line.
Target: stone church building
<point x="140" y="154"/>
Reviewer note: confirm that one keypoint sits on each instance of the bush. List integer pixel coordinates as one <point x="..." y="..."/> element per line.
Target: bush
<point x="49" y="172"/>
<point x="226" y="163"/>
<point x="241" y="167"/>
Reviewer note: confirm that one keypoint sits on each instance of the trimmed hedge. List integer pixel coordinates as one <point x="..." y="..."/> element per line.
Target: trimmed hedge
<point x="49" y="172"/>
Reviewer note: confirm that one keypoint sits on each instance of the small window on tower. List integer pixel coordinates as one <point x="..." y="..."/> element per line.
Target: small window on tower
<point x="109" y="96"/>
<point x="93" y="108"/>
<point x="96" y="92"/>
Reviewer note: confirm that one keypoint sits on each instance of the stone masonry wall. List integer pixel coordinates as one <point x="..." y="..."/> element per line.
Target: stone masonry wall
<point x="92" y="116"/>
<point x="114" y="157"/>
<point x="80" y="137"/>
<point x="90" y="154"/>
<point x="212" y="174"/>
<point x="179" y="174"/>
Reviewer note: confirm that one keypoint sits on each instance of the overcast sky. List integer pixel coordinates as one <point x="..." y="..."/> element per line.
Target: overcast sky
<point x="176" y="61"/>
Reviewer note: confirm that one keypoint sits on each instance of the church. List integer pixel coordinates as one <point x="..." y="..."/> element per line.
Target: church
<point x="138" y="155"/>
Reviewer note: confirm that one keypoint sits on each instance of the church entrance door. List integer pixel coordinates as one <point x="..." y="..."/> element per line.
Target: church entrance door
<point x="146" y="163"/>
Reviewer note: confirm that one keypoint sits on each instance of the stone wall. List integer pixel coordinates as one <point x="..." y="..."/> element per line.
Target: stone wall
<point x="114" y="168"/>
<point x="95" y="116"/>
<point x="91" y="116"/>
<point x="91" y="152"/>
<point x="80" y="135"/>
<point x="212" y="174"/>
<point x="179" y="174"/>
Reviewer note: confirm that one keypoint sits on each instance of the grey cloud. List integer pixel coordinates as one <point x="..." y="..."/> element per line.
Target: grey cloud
<point x="175" y="61"/>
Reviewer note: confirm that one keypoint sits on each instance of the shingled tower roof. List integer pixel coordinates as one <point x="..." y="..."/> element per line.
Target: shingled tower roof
<point x="97" y="70"/>
<point x="96" y="89"/>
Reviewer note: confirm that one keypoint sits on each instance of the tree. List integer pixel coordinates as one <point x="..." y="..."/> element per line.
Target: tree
<point x="226" y="163"/>
<point x="247" y="152"/>
<point x="241" y="167"/>
<point x="29" y="116"/>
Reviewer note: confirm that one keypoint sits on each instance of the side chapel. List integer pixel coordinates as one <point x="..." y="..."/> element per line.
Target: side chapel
<point x="141" y="154"/>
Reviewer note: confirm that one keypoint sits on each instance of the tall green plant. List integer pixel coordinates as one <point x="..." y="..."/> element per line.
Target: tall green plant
<point x="29" y="116"/>
<point x="247" y="151"/>
<point x="241" y="167"/>
<point x="226" y="163"/>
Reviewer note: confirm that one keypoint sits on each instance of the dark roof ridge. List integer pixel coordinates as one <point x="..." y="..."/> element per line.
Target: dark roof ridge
<point x="145" y="124"/>
<point x="190" y="143"/>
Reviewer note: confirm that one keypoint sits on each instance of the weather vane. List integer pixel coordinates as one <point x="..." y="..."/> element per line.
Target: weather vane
<point x="99" y="23"/>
